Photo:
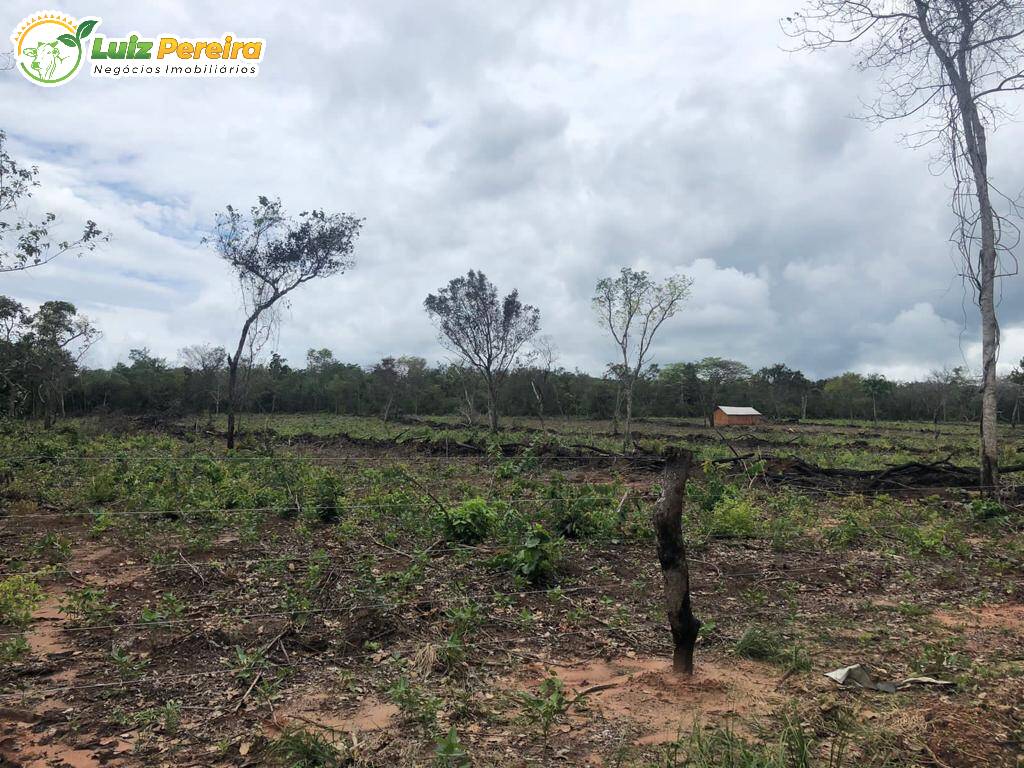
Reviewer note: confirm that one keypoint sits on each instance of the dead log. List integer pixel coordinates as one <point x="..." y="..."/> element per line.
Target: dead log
<point x="668" y="526"/>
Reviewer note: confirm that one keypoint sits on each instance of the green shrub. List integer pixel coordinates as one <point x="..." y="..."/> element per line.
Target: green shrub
<point x="713" y="490"/>
<point x="469" y="522"/>
<point x="733" y="518"/>
<point x="13" y="648"/>
<point x="537" y="558"/>
<point x="549" y="703"/>
<point x="103" y="488"/>
<point x="88" y="604"/>
<point x="851" y="529"/>
<point x="987" y="509"/>
<point x="326" y="496"/>
<point x="449" y="752"/>
<point x="580" y="510"/>
<point x="53" y="547"/>
<point x="415" y="703"/>
<point x="19" y="598"/>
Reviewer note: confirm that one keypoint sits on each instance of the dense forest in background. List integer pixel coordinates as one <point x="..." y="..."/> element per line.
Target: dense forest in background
<point x="41" y="376"/>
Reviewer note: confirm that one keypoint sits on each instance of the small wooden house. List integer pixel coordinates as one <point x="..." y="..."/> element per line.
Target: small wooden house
<point x="736" y="416"/>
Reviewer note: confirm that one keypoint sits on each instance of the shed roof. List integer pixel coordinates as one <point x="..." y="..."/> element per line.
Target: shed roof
<point x="739" y="410"/>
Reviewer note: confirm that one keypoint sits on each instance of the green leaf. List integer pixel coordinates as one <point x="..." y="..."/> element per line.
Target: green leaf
<point x="68" y="40"/>
<point x="85" y="28"/>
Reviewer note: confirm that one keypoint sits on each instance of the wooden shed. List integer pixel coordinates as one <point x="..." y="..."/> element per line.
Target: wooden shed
<point x="736" y="416"/>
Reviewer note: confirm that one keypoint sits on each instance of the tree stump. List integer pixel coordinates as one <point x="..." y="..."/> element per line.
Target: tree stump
<point x="668" y="526"/>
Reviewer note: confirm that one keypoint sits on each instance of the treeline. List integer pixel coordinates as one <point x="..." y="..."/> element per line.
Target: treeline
<point x="41" y="378"/>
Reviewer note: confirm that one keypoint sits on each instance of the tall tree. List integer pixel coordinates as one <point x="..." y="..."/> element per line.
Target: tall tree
<point x="845" y="392"/>
<point x="14" y="322"/>
<point x="715" y="374"/>
<point x="785" y="386"/>
<point x="27" y="242"/>
<point x="387" y="378"/>
<point x="57" y="340"/>
<point x="487" y="333"/>
<point x="633" y="307"/>
<point x="877" y="386"/>
<point x="206" y="364"/>
<point x="950" y="62"/>
<point x="546" y="353"/>
<point x="272" y="254"/>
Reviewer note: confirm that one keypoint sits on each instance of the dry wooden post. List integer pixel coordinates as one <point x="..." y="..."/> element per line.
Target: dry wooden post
<point x="668" y="526"/>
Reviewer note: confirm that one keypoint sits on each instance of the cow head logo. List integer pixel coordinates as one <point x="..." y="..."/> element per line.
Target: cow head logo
<point x="48" y="47"/>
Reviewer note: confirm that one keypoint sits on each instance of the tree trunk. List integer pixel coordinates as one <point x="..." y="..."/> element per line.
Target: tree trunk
<point x="977" y="153"/>
<point x="616" y="414"/>
<point x="989" y="324"/>
<point x="492" y="403"/>
<point x="627" y="432"/>
<point x="232" y="387"/>
<point x="667" y="519"/>
<point x="540" y="401"/>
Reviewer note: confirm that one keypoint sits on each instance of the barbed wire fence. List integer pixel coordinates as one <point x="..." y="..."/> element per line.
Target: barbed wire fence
<point x="222" y="614"/>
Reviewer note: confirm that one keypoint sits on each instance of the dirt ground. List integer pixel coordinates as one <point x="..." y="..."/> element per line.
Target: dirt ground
<point x="379" y="675"/>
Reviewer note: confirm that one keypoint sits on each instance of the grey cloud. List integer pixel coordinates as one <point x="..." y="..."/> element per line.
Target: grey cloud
<point x="545" y="143"/>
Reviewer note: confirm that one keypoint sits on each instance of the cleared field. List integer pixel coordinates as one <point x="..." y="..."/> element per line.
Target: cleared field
<point x="855" y="445"/>
<point x="341" y="591"/>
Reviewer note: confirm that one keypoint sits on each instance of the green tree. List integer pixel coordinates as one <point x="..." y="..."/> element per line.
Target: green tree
<point x="57" y="339"/>
<point x="272" y="254"/>
<point x="715" y="375"/>
<point x="877" y="387"/>
<point x="632" y="307"/>
<point x="25" y="242"/>
<point x="488" y="334"/>
<point x="845" y="392"/>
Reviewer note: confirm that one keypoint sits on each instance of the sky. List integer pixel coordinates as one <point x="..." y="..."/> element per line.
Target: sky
<point x="546" y="143"/>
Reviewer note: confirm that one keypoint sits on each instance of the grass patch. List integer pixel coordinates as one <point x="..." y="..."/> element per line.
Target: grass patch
<point x="761" y="644"/>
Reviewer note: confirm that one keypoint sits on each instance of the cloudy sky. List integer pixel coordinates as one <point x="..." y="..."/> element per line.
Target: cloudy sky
<point x="546" y="143"/>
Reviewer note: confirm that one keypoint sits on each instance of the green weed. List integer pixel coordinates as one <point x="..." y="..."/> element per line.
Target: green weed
<point x="469" y="522"/>
<point x="307" y="749"/>
<point x="19" y="597"/>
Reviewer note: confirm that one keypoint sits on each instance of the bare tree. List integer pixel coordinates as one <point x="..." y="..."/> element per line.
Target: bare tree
<point x="546" y="353"/>
<point x="272" y="255"/>
<point x="26" y="243"/>
<point x="950" y="62"/>
<point x="633" y="307"/>
<point x="207" y="363"/>
<point x="488" y="334"/>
